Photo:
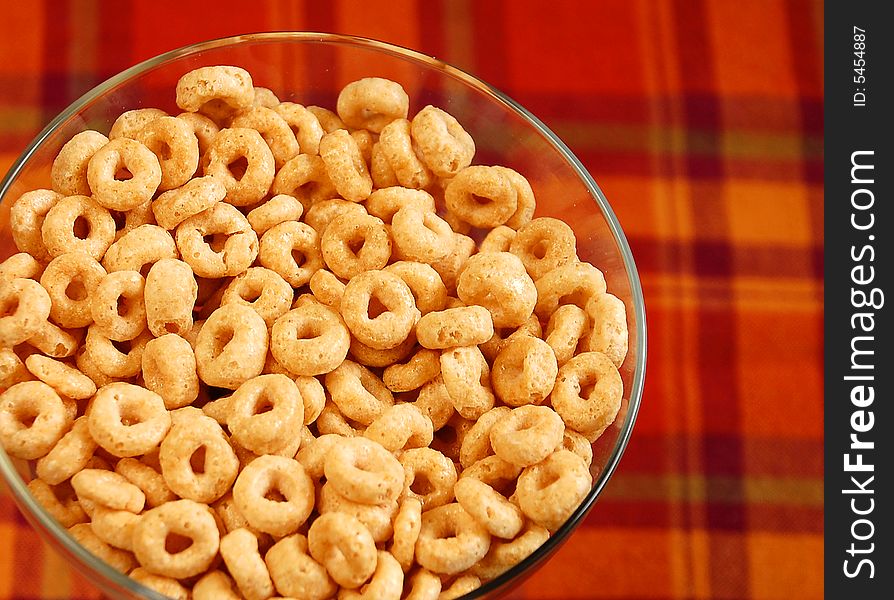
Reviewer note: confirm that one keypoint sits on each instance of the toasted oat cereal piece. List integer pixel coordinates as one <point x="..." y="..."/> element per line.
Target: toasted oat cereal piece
<point x="372" y="103"/>
<point x="215" y="90"/>
<point x="345" y="166"/>
<point x="130" y="122"/>
<point x="295" y="573"/>
<point x="120" y="560"/>
<point x="233" y="247"/>
<point x="69" y="171"/>
<point x="32" y="419"/>
<point x="239" y="550"/>
<point x="524" y="371"/>
<point x="304" y="124"/>
<point x="498" y="281"/>
<point x="292" y="250"/>
<point x="273" y="128"/>
<point x="60" y="501"/>
<point x="238" y="146"/>
<point x="24" y="307"/>
<point x="344" y="546"/>
<point x="589" y="415"/>
<point x="482" y="196"/>
<point x="349" y="231"/>
<point x="167" y="586"/>
<point x="544" y="244"/>
<point x="444" y="146"/>
<point x="305" y="178"/>
<point x="609" y="333"/>
<point x="450" y="540"/>
<point x="176" y="147"/>
<point x="78" y="224"/>
<point x="66" y="380"/>
<point x="26" y="219"/>
<point x="183" y="518"/>
<point x="106" y="165"/>
<point x="231" y="346"/>
<point x="310" y="340"/>
<point x="279" y="209"/>
<point x="175" y="206"/>
<point x="452" y="327"/>
<point x="551" y="490"/>
<point x="128" y="420"/>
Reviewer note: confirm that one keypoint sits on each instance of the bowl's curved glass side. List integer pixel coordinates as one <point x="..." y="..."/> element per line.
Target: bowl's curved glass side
<point x="319" y="65"/>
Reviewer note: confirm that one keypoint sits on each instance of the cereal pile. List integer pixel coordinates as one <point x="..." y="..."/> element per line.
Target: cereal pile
<point x="254" y="349"/>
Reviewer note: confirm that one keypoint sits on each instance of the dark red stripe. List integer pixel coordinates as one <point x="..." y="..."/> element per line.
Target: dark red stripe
<point x="490" y="39"/>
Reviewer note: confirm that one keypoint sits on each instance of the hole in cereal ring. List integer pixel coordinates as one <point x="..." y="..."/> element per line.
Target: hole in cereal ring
<point x="144" y="270"/>
<point x="25" y="416"/>
<point x="130" y="417"/>
<point x="375" y="308"/>
<point x="123" y="174"/>
<point x="81" y="228"/>
<point x="163" y="150"/>
<point x="76" y="290"/>
<point x="223" y="337"/>
<point x="481" y="200"/>
<point x="586" y="388"/>
<point x="250" y="294"/>
<point x="216" y="241"/>
<point x="355" y="245"/>
<point x="176" y="543"/>
<point x="539" y="249"/>
<point x="274" y="495"/>
<point x="120" y="219"/>
<point x="123" y="306"/>
<point x="172" y="328"/>
<point x="263" y="405"/>
<point x="306" y="190"/>
<point x="298" y="257"/>
<point x="197" y="460"/>
<point x="238" y="167"/>
<point x="308" y="331"/>
<point x="422" y="485"/>
<point x="123" y="347"/>
<point x="9" y="307"/>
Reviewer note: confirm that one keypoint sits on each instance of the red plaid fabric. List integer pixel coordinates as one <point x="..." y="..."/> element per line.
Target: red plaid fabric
<point x="702" y="121"/>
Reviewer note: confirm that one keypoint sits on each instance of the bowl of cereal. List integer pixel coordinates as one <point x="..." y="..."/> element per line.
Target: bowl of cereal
<point x="309" y="315"/>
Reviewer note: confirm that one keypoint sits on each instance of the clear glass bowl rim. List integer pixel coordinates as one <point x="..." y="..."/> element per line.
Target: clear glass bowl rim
<point x="19" y="489"/>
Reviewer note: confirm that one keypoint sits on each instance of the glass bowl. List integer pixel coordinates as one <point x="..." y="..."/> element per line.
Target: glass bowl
<point x="310" y="68"/>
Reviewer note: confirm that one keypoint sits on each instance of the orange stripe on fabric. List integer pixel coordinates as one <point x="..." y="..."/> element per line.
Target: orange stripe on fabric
<point x="785" y="566"/>
<point x="22" y="39"/>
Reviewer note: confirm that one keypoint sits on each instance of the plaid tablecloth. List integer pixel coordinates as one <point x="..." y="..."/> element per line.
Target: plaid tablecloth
<point x="702" y="121"/>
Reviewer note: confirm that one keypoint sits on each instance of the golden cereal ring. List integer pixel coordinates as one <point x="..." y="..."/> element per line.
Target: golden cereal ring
<point x="175" y="206"/>
<point x="120" y="560"/>
<point x="424" y="282"/>
<point x="363" y="471"/>
<point x="210" y="90"/>
<point x="78" y="224"/>
<point x="332" y="421"/>
<point x="325" y="211"/>
<point x="60" y="501"/>
<point x="115" y="359"/>
<point x="525" y="196"/>
<point x="452" y="327"/>
<point x="67" y="381"/>
<point x="127" y="221"/>
<point x="118" y="310"/>
<point x="595" y="372"/>
<point x="24" y="307"/>
<point x="434" y="401"/>
<point x="183" y="518"/>
<point x="123" y="154"/>
<point x="166" y="586"/>
<point x="274" y="474"/>
<point x="215" y="585"/>
<point x="397" y="313"/>
<point x="305" y="178"/>
<point x="329" y="121"/>
<point x="476" y="444"/>
<point x="130" y="122"/>
<point x="375" y="517"/>
<point x="240" y="146"/>
<point x="265" y="412"/>
<point x="292" y="250"/>
<point x="327" y="288"/>
<point x="421" y="368"/>
<point x="573" y="283"/>
<point x="202" y="127"/>
<point x="372" y="103"/>
<point x="397" y="147"/>
<point x="265" y="97"/>
<point x="231" y="346"/>
<point x="503" y="555"/>
<point x="69" y="171"/>
<point x="461" y="586"/>
<point x="145" y="477"/>
<point x="493" y="346"/>
<point x="273" y="128"/>
<point x="435" y="472"/>
<point x="421" y="236"/>
<point x="208" y="480"/>
<point x="55" y="342"/>
<point x="371" y="357"/>
<point x="498" y="281"/>
<point x="527" y="435"/>
<point x="400" y="427"/>
<point x="348" y="232"/>
<point x="344" y="546"/>
<point x="345" y="166"/>
<point x="451" y="266"/>
<point x="365" y="141"/>
<point x="279" y="209"/>
<point x="357" y="392"/>
<point x="609" y="333"/>
<point x="295" y="573"/>
<point x="232" y="250"/>
<point x="407" y="524"/>
<point x="551" y="490"/>
<point x="114" y="527"/>
<point x="12" y="369"/>
<point x="261" y="289"/>
<point x="449" y="439"/>
<point x="239" y="550"/>
<point x="578" y="444"/>
<point x="71" y="454"/>
<point x="380" y="169"/>
<point x="127" y="420"/>
<point x="108" y="489"/>
<point x="312" y="395"/>
<point x="304" y="125"/>
<point x="310" y="340"/>
<point x="524" y="371"/>
<point x="467" y="377"/>
<point x="176" y="147"/>
<point x="26" y="219"/>
<point x="21" y="266"/>
<point x="169" y="369"/>
<point x="567" y="326"/>
<point x="386" y="202"/>
<point x="138" y="249"/>
<point x="423" y="585"/>
<point x="498" y="239"/>
<point x="544" y="244"/>
<point x="32" y="419"/>
<point x="443" y="144"/>
<point x="313" y="455"/>
<point x="481" y="196"/>
<point x="170" y="295"/>
<point x="495" y="472"/>
<point x="387" y="582"/>
<point x="450" y="540"/>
